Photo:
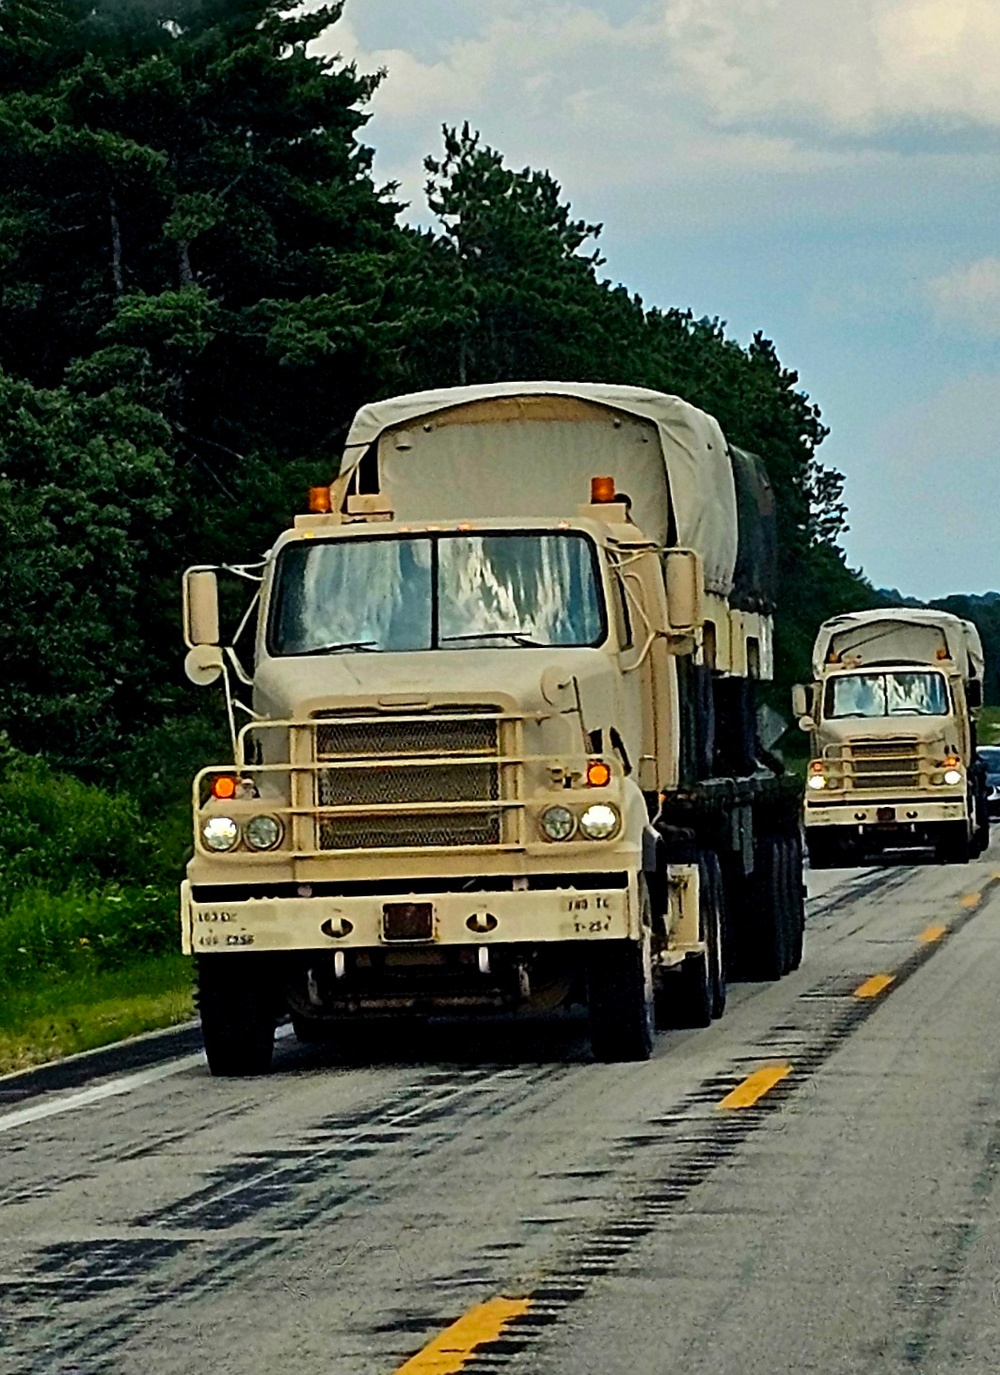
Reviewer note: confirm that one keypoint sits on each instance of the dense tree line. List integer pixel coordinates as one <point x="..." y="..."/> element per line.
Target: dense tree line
<point x="200" y="281"/>
<point x="982" y="609"/>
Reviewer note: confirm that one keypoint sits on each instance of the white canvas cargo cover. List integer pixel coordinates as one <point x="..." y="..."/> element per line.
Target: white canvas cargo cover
<point x="693" y="463"/>
<point x="900" y="633"/>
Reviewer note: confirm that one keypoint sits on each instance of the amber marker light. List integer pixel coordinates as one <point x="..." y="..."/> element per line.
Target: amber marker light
<point x="598" y="774"/>
<point x="224" y="787"/>
<point x="320" y="502"/>
<point x="602" y="490"/>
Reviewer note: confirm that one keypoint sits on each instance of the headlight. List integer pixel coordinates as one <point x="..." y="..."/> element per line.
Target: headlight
<point x="816" y="780"/>
<point x="219" y="833"/>
<point x="599" y="821"/>
<point x="952" y="776"/>
<point x="557" y="823"/>
<point x="263" y="832"/>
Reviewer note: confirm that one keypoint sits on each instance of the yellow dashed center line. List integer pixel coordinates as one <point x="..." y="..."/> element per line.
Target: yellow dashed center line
<point x="455" y="1347"/>
<point x="970" y="900"/>
<point x="755" y="1086"/>
<point x="932" y="934"/>
<point x="872" y="987"/>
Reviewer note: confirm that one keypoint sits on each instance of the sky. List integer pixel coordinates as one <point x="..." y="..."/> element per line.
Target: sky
<point x="826" y="171"/>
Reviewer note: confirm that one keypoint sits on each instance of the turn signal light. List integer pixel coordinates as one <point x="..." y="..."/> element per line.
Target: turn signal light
<point x="602" y="490"/>
<point x="224" y="786"/>
<point x="320" y="501"/>
<point x="598" y="774"/>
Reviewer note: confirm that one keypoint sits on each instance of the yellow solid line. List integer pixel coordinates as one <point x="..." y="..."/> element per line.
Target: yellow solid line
<point x="932" y="934"/>
<point x="971" y="900"/>
<point x="872" y="987"/>
<point x="454" y="1348"/>
<point x="755" y="1086"/>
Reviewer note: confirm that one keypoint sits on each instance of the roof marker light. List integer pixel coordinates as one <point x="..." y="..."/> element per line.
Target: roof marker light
<point x="602" y="490"/>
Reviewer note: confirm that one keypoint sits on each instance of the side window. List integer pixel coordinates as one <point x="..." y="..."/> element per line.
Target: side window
<point x="623" y="621"/>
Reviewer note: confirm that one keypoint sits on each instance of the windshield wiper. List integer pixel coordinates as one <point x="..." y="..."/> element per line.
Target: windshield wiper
<point x="342" y="647"/>
<point x="518" y="636"/>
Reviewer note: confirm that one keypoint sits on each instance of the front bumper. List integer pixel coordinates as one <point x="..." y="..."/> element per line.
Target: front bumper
<point x="522" y="917"/>
<point x="909" y="812"/>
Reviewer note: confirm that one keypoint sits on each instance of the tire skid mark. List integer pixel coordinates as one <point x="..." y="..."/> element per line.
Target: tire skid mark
<point x="16" y="1193"/>
<point x="874" y="884"/>
<point x="57" y="1312"/>
<point x="927" y="1290"/>
<point x="51" y="1311"/>
<point x="692" y="1142"/>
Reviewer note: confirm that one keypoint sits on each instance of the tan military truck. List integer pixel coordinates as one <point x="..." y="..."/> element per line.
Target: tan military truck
<point x="892" y="726"/>
<point x="499" y="752"/>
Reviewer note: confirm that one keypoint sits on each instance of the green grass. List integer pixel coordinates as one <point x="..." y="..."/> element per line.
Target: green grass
<point x="49" y="1019"/>
<point x="988" y="727"/>
<point x="89" y="936"/>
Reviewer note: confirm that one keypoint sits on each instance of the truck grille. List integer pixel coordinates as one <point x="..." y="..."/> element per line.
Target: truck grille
<point x="444" y="768"/>
<point x="883" y="764"/>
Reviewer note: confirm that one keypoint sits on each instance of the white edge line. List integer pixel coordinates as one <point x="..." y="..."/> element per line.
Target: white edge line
<point x="83" y="1098"/>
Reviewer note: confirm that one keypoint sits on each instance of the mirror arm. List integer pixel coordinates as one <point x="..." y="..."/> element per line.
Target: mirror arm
<point x="238" y="668"/>
<point x="230" y="714"/>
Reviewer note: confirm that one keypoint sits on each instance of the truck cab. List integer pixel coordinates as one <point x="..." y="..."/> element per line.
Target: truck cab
<point x="457" y="783"/>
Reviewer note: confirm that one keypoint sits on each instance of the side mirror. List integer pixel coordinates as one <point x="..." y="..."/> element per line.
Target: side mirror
<point x="204" y="665"/>
<point x="974" y="692"/>
<point x="800" y="700"/>
<point x="201" y="607"/>
<point x="685" y="584"/>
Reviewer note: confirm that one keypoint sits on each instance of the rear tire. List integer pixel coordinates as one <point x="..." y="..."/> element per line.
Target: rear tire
<point x="237" y="1005"/>
<point x="796" y="906"/>
<point x="981" y="835"/>
<point x="716" y="931"/>
<point x="766" y="953"/>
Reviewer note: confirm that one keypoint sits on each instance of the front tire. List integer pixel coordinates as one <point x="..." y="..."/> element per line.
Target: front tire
<point x="953" y="846"/>
<point x="620" y="993"/>
<point x="236" y="1002"/>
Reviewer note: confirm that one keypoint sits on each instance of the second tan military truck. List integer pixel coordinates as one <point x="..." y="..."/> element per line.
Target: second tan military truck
<point x="891" y="719"/>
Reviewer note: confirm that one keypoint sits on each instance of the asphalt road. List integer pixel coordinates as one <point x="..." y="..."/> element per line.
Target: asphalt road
<point x="596" y="1220"/>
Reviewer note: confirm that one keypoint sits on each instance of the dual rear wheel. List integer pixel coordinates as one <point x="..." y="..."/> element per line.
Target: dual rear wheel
<point x="775" y="909"/>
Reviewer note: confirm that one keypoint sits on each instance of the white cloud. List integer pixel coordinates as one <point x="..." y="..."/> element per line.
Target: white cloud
<point x="969" y="295"/>
<point x="571" y="88"/>
<point x="846" y="65"/>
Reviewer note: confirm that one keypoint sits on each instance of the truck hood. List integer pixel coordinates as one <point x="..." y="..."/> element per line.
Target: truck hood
<point x="529" y="681"/>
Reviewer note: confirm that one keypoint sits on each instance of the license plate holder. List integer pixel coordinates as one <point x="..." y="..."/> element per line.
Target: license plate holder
<point x="407" y="921"/>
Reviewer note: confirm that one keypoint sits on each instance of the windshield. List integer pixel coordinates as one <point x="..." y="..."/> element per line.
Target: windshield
<point x="398" y="593"/>
<point x="887" y="694"/>
<point x="991" y="758"/>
